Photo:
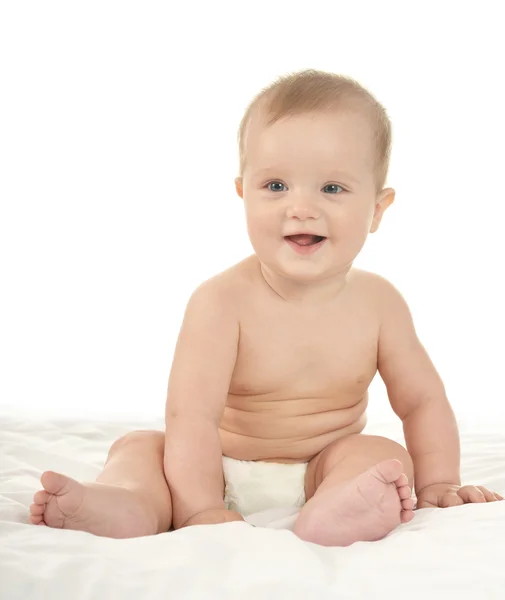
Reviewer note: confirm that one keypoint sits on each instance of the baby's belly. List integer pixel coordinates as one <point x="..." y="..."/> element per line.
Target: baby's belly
<point x="287" y="430"/>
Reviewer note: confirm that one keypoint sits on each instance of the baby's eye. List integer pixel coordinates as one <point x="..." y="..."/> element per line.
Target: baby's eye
<point x="332" y="188"/>
<point x="276" y="186"/>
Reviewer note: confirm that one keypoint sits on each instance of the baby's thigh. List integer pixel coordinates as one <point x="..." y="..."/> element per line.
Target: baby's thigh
<point x="352" y="455"/>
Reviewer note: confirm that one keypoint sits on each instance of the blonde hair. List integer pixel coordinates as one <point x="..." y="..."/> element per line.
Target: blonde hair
<point x="311" y="90"/>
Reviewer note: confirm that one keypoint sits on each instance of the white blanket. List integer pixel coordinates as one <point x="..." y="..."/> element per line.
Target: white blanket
<point x="451" y="553"/>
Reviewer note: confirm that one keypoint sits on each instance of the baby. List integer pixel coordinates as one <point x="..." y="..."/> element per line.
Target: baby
<point x="267" y="394"/>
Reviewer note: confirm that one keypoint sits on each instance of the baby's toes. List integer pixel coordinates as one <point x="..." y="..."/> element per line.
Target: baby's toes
<point x="404" y="492"/>
<point x="402" y="481"/>
<point x="41" y="497"/>
<point x="408" y="504"/>
<point x="37" y="509"/>
<point x="36" y="519"/>
<point x="406" y="516"/>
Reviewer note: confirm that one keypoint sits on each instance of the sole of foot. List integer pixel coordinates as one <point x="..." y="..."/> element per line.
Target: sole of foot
<point x="101" y="509"/>
<point x="364" y="509"/>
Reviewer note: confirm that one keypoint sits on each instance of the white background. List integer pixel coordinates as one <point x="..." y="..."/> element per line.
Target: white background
<point x="117" y="157"/>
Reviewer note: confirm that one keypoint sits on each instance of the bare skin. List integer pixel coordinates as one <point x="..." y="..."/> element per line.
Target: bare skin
<point x="273" y="363"/>
<point x="122" y="503"/>
<point x="335" y="411"/>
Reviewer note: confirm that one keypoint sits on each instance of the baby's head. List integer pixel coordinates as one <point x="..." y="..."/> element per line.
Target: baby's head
<point x="314" y="155"/>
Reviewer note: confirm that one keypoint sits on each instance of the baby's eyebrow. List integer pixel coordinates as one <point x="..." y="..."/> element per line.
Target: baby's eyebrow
<point x="278" y="172"/>
<point x="343" y="176"/>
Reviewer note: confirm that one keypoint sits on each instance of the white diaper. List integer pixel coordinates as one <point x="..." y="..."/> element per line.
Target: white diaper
<point x="253" y="486"/>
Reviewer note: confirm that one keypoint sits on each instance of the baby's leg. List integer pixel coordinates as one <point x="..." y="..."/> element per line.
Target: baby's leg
<point x="358" y="489"/>
<point x="130" y="498"/>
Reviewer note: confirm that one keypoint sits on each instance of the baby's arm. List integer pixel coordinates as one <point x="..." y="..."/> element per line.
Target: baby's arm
<point x="198" y="387"/>
<point x="417" y="395"/>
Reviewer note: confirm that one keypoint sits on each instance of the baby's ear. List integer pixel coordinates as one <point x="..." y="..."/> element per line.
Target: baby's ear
<point x="238" y="186"/>
<point x="384" y="199"/>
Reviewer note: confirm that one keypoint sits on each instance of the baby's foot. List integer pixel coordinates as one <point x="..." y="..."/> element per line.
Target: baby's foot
<point x="101" y="509"/>
<point x="364" y="509"/>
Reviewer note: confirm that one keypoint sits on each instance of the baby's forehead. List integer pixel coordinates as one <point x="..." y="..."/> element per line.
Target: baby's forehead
<point x="262" y="122"/>
<point x="319" y="146"/>
<point x="321" y="136"/>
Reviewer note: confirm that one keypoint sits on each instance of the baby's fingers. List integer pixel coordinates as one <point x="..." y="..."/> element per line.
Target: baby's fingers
<point x="489" y="496"/>
<point x="470" y="494"/>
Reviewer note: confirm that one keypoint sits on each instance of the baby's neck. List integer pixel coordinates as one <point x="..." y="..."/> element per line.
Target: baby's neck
<point x="310" y="293"/>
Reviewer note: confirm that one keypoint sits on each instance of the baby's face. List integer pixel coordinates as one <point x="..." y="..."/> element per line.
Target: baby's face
<point x="312" y="173"/>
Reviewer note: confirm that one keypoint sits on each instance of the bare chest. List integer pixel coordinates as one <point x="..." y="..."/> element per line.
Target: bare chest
<point x="295" y="354"/>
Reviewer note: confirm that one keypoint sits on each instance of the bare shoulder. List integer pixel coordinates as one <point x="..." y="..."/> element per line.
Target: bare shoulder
<point x="224" y="291"/>
<point x="385" y="296"/>
<point x="370" y="280"/>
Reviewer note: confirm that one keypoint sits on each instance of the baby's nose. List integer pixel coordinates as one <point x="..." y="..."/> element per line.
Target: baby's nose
<point x="302" y="210"/>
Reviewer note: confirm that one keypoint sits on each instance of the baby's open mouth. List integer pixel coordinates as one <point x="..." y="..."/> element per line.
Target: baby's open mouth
<point x="305" y="239"/>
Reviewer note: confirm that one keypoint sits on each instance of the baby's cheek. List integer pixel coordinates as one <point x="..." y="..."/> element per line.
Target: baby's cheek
<point x="259" y="236"/>
<point x="261" y="225"/>
<point x="356" y="229"/>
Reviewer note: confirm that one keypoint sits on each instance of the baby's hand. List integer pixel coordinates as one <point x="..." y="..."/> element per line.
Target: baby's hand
<point x="442" y="495"/>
